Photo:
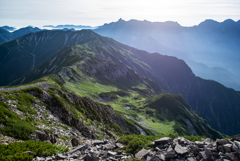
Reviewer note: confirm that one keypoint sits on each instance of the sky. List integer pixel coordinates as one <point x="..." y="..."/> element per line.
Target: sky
<point x="21" y="13"/>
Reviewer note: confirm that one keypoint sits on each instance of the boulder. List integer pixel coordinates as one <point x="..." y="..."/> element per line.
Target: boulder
<point x="162" y="141"/>
<point x="180" y="150"/>
<point x="108" y="147"/>
<point x="208" y="153"/>
<point x="227" y="147"/>
<point x="142" y="153"/>
<point x="237" y="143"/>
<point x="170" y="153"/>
<point x="207" y="140"/>
<point x="200" y="144"/>
<point x="48" y="159"/>
<point x="60" y="156"/>
<point x="232" y="156"/>
<point x="78" y="148"/>
<point x="195" y="150"/>
<point x="119" y="145"/>
<point x="39" y="159"/>
<point x="98" y="142"/>
<point x="203" y="155"/>
<point x="221" y="142"/>
<point x="155" y="158"/>
<point x="110" y="153"/>
<point x="235" y="148"/>
<point x="220" y="148"/>
<point x="75" y="142"/>
<point x="210" y="145"/>
<point x="191" y="159"/>
<point x="90" y="158"/>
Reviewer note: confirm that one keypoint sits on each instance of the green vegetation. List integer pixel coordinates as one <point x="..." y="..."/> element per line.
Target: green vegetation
<point x="114" y="94"/>
<point x="134" y="143"/>
<point x="13" y="125"/>
<point x="16" y="151"/>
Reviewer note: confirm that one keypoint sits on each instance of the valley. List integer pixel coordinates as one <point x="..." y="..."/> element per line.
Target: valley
<point x="64" y="87"/>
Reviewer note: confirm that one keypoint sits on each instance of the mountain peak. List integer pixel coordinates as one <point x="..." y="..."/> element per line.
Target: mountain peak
<point x="120" y="19"/>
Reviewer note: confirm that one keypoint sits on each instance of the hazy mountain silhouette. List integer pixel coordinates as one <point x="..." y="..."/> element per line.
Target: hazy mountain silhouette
<point x="212" y="43"/>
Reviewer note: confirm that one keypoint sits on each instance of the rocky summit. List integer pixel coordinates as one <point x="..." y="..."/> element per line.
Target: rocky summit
<point x="164" y="149"/>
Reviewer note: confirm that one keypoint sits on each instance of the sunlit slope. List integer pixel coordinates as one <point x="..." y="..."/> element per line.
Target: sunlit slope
<point x="78" y="70"/>
<point x="170" y="74"/>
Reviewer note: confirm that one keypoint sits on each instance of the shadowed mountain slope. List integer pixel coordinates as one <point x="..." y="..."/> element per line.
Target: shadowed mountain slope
<point x="214" y="102"/>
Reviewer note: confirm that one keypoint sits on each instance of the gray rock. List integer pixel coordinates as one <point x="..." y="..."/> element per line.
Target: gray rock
<point x="60" y="156"/>
<point x="221" y="142"/>
<point x="48" y="159"/>
<point x="119" y="145"/>
<point x="108" y="147"/>
<point x="180" y="150"/>
<point x="231" y="156"/>
<point x="221" y="154"/>
<point x="98" y="142"/>
<point x="155" y="158"/>
<point x="234" y="147"/>
<point x="75" y="141"/>
<point x="170" y="154"/>
<point x="227" y="147"/>
<point x="200" y="144"/>
<point x="39" y="159"/>
<point x="208" y="153"/>
<point x="194" y="149"/>
<point x="90" y="158"/>
<point x="112" y="159"/>
<point x="78" y="148"/>
<point x="162" y="141"/>
<point x="110" y="153"/>
<point x="191" y="159"/>
<point x="237" y="143"/>
<point x="207" y="140"/>
<point x="142" y="153"/>
<point x="220" y="148"/>
<point x="210" y="145"/>
<point x="215" y="154"/>
<point x="203" y="155"/>
<point x="74" y="156"/>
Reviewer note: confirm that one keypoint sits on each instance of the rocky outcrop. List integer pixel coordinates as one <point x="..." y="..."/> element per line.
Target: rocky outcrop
<point x="183" y="149"/>
<point x="180" y="149"/>
<point x="91" y="151"/>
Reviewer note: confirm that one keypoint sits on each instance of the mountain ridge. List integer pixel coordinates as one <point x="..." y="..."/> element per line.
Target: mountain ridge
<point x="173" y="76"/>
<point x="205" y="43"/>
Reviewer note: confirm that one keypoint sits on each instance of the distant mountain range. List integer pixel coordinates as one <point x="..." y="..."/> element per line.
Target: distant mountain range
<point x="84" y="56"/>
<point x="211" y="48"/>
<point x="8" y="28"/>
<point x="6" y="36"/>
<point x="76" y="27"/>
<point x="8" y="33"/>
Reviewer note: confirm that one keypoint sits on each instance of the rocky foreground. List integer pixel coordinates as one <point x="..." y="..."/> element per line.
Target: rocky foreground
<point x="180" y="149"/>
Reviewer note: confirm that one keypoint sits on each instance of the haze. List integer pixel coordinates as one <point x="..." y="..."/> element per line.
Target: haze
<point x="94" y="12"/>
